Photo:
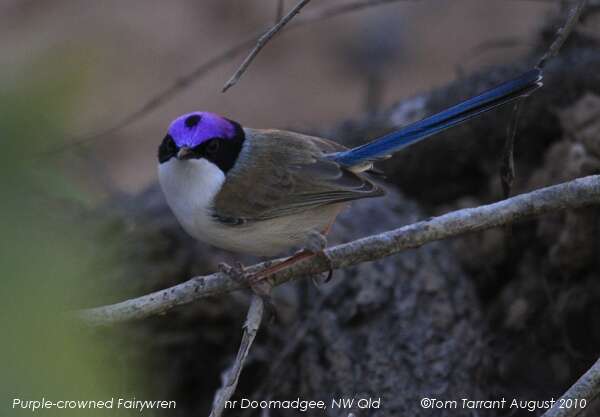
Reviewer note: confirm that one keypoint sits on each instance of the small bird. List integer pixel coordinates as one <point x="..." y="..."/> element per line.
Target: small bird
<point x="264" y="192"/>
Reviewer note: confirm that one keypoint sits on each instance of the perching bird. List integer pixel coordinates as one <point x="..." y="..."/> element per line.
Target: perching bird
<point x="265" y="191"/>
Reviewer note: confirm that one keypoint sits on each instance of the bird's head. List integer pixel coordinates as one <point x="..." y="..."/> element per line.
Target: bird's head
<point x="203" y="135"/>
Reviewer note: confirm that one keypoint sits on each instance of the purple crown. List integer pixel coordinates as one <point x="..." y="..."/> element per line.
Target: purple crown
<point x="194" y="128"/>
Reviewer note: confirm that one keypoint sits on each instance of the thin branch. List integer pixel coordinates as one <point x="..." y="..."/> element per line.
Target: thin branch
<point x="180" y="84"/>
<point x="260" y="44"/>
<point x="570" y="195"/>
<point x="162" y="97"/>
<point x="507" y="166"/>
<point x="587" y="387"/>
<point x="563" y="33"/>
<point x="232" y="375"/>
<point x="295" y="336"/>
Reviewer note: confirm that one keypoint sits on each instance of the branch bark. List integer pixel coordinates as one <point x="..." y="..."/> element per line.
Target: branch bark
<point x="570" y="195"/>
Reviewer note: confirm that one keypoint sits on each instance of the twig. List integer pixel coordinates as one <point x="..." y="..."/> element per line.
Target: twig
<point x="185" y="81"/>
<point x="507" y="166"/>
<point x="569" y="195"/>
<point x="563" y="33"/>
<point x="260" y="44"/>
<point x="587" y="387"/>
<point x="232" y="375"/>
<point x="294" y="337"/>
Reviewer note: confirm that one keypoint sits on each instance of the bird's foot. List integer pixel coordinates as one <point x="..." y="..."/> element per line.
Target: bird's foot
<point x="270" y="268"/>
<point x="316" y="243"/>
<point x="319" y="279"/>
<point x="235" y="272"/>
<point x="261" y="288"/>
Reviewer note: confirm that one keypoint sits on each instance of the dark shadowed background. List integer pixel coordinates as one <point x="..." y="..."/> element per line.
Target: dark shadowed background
<point x="118" y="54"/>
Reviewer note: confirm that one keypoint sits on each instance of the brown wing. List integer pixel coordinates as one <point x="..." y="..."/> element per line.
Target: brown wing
<point x="280" y="173"/>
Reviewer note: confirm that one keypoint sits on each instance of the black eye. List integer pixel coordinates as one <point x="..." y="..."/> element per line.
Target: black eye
<point x="212" y="146"/>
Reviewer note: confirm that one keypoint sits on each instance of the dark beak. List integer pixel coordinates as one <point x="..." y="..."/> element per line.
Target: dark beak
<point x="184" y="153"/>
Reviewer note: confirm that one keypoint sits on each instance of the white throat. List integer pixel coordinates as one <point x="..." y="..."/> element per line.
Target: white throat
<point x="190" y="187"/>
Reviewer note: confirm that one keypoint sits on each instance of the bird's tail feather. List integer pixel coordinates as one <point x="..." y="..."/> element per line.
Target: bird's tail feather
<point x="393" y="142"/>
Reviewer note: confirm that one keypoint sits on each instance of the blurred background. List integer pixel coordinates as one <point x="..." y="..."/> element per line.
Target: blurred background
<point x="112" y="56"/>
<point x="500" y="313"/>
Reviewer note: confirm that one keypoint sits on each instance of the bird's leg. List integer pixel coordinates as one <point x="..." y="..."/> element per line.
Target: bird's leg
<point x="315" y="243"/>
<point x="271" y="269"/>
<point x="260" y="288"/>
<point x="327" y="259"/>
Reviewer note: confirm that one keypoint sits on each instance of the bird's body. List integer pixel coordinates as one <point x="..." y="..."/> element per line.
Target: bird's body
<point x="266" y="191"/>
<point x="258" y="211"/>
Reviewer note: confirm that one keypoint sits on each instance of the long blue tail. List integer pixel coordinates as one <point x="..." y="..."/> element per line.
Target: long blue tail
<point x="455" y="115"/>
